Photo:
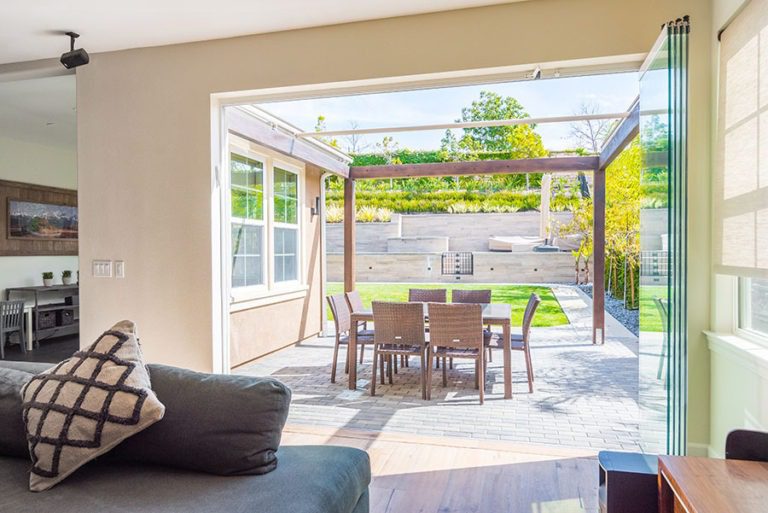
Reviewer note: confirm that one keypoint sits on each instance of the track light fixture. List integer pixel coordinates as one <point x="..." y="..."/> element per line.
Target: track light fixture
<point x="74" y="58"/>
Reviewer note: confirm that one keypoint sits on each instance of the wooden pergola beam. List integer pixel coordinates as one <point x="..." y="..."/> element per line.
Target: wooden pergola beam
<point x="475" y="168"/>
<point x="622" y="136"/>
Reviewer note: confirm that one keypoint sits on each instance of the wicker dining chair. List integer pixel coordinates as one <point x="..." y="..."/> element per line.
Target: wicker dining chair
<point x="355" y="303"/>
<point x="457" y="332"/>
<point x="521" y="341"/>
<point x="427" y="295"/>
<point x="399" y="332"/>
<point x="475" y="296"/>
<point x="342" y="320"/>
<point x="12" y="321"/>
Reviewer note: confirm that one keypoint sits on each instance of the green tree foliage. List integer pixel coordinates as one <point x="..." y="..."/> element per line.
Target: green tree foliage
<point x="521" y="140"/>
<point x="622" y="223"/>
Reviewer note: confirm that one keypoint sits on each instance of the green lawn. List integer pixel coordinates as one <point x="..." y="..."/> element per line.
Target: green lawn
<point x="650" y="317"/>
<point x="549" y="312"/>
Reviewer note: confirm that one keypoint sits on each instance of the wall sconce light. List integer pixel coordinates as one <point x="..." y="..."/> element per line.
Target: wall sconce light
<point x="316" y="209"/>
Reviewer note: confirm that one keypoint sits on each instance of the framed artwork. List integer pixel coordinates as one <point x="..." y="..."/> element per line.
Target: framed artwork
<point x="37" y="220"/>
<point x="41" y="221"/>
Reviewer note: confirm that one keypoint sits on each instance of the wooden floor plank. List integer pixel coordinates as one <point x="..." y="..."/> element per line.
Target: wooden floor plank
<point x="413" y="474"/>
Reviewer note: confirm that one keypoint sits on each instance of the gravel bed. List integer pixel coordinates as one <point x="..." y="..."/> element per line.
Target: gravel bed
<point x="629" y="318"/>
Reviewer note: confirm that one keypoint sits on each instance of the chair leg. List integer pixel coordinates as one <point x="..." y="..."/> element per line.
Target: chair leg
<point x="490" y="355"/>
<point x="382" y="357"/>
<point x="23" y="338"/>
<point x="437" y="362"/>
<point x="445" y="374"/>
<point x="426" y="365"/>
<point x="450" y="363"/>
<point x="529" y="368"/>
<point x="2" y="345"/>
<point x="373" y="369"/>
<point x="477" y="372"/>
<point x="481" y="372"/>
<point x="394" y="363"/>
<point x="390" y="361"/>
<point x="335" y="360"/>
<point x="362" y="351"/>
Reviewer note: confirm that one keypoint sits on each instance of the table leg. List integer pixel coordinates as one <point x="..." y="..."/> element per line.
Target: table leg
<point x="30" y="341"/>
<point x="352" y="356"/>
<point x="507" y="338"/>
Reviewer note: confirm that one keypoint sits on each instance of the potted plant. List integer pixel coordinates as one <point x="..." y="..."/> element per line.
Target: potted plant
<point x="48" y="279"/>
<point x="66" y="277"/>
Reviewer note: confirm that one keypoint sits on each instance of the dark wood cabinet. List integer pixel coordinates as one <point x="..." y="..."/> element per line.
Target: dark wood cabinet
<point x="628" y="482"/>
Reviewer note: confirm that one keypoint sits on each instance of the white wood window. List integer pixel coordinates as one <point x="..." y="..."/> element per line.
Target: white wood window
<point x="265" y="221"/>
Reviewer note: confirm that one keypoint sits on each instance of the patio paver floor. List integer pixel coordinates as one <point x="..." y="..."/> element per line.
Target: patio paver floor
<point x="584" y="395"/>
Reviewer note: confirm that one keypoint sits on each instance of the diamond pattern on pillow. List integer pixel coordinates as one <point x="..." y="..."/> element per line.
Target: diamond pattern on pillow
<point x="86" y="405"/>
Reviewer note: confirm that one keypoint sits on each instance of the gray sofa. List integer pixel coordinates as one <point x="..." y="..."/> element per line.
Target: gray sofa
<point x="307" y="479"/>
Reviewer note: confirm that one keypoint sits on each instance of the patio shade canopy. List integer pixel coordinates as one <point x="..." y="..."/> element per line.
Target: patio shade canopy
<point x="619" y="139"/>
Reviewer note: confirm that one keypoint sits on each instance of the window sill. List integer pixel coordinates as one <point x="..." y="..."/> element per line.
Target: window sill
<point x="747" y="353"/>
<point x="269" y="298"/>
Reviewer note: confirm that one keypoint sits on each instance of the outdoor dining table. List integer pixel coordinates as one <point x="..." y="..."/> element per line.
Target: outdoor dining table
<point x="494" y="314"/>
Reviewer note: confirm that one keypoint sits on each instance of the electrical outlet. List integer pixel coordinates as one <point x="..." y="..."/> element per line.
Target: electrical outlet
<point x="101" y="268"/>
<point x="119" y="269"/>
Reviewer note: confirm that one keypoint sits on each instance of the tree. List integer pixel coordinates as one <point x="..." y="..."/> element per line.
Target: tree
<point x="320" y="126"/>
<point x="622" y="222"/>
<point x="355" y="143"/>
<point x="521" y="140"/>
<point x="590" y="134"/>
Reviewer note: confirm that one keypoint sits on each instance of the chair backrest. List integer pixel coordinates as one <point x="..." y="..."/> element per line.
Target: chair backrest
<point x="456" y="325"/>
<point x="354" y="300"/>
<point x="341" y="313"/>
<point x="11" y="314"/>
<point x="742" y="444"/>
<point x="482" y="297"/>
<point x="530" y="309"/>
<point x="427" y="295"/>
<point x="398" y="323"/>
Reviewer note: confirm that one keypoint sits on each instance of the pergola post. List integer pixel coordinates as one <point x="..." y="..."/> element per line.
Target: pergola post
<point x="546" y="188"/>
<point x="349" y="235"/>
<point x="598" y="258"/>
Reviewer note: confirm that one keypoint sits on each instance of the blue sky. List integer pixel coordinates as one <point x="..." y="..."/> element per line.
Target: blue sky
<point x="553" y="97"/>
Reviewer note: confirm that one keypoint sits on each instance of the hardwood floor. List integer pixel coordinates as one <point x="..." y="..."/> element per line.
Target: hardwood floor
<point x="50" y="351"/>
<point x="449" y="475"/>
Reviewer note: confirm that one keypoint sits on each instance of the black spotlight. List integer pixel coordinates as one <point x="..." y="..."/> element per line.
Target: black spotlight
<point x="74" y="58"/>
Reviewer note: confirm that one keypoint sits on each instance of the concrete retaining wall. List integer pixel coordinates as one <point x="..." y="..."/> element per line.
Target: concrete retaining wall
<point x="466" y="232"/>
<point x="488" y="268"/>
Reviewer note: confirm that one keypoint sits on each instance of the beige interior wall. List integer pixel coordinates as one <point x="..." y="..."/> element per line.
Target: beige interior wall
<point x="261" y="330"/>
<point x="144" y="121"/>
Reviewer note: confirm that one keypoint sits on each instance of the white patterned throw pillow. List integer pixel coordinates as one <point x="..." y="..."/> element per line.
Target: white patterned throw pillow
<point x="86" y="405"/>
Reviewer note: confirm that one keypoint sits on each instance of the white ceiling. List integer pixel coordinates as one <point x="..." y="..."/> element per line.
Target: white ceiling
<point x="40" y="110"/>
<point x="31" y="30"/>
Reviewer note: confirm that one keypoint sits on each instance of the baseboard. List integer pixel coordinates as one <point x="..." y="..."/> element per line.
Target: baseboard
<point x="702" y="450"/>
<point x="714" y="453"/>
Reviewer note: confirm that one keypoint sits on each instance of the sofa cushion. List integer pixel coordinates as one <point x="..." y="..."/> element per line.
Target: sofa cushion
<point x="84" y="406"/>
<point x="13" y="440"/>
<point x="221" y="424"/>
<point x="309" y="479"/>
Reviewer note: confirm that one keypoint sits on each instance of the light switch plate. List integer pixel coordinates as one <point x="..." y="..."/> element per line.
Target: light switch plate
<point x="119" y="269"/>
<point x="101" y="268"/>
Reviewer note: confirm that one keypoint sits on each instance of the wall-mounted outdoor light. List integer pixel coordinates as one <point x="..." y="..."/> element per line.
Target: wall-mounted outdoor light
<point x="316" y="209"/>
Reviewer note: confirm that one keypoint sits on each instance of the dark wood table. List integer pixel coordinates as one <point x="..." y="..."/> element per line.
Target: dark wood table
<point x="494" y="314"/>
<point x="706" y="485"/>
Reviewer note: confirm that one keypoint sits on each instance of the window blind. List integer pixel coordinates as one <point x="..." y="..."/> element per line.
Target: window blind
<point x="741" y="173"/>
